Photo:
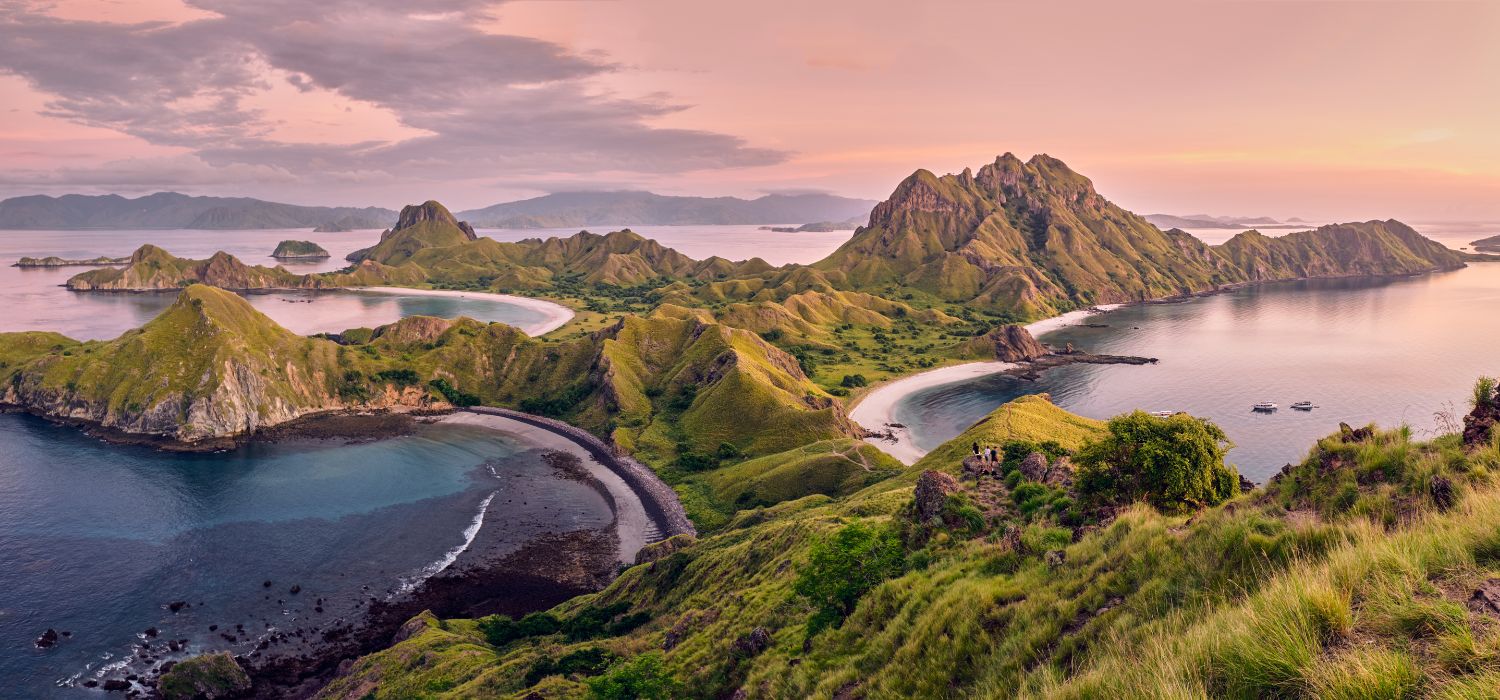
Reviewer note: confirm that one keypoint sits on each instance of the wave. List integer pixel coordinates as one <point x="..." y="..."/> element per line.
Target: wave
<point x="437" y="567"/>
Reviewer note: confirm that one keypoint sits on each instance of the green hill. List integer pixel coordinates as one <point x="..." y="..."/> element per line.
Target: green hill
<point x="1365" y="571"/>
<point x="151" y="268"/>
<point x="298" y="249"/>
<point x="1338" y="250"/>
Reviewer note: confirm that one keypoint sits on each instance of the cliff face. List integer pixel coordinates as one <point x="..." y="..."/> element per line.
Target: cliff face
<point x="1006" y="344"/>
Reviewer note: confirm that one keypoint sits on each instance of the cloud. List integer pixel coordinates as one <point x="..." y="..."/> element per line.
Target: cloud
<point x="483" y="105"/>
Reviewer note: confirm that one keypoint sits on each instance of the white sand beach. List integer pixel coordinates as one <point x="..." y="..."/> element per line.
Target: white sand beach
<point x="556" y="314"/>
<point x="876" y="411"/>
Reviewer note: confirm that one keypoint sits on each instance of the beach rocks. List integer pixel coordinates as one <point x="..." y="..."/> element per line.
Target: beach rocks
<point x="47" y="640"/>
<point x="933" y="489"/>
<point x="178" y="605"/>
<point x="115" y="685"/>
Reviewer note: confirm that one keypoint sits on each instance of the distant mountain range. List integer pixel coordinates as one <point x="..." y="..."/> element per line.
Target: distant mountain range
<point x="1170" y="221"/>
<point x="579" y="209"/>
<point x="170" y="210"/>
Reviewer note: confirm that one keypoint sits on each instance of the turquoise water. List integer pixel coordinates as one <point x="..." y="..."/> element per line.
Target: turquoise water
<point x="96" y="539"/>
<point x="1383" y="351"/>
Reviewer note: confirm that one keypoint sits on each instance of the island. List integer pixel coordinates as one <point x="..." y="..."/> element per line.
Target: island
<point x="299" y="250"/>
<point x="54" y="261"/>
<point x="1487" y="245"/>
<point x="818" y="226"/>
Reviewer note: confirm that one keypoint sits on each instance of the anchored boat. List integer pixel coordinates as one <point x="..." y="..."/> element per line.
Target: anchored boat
<point x="1303" y="406"/>
<point x="1264" y="407"/>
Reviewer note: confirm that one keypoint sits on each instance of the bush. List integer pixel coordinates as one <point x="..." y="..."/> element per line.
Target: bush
<point x="1484" y="391"/>
<point x="640" y="678"/>
<point x="401" y="377"/>
<point x="500" y="630"/>
<point x="1173" y="463"/>
<point x="584" y="662"/>
<point x="854" y="381"/>
<point x="452" y="394"/>
<point x="843" y="567"/>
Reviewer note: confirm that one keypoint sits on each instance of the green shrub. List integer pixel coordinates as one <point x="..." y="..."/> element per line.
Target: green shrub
<point x="842" y="567"/>
<point x="1175" y="463"/>
<point x="640" y="678"/>
<point x="452" y="394"/>
<point x="500" y="630"/>
<point x="854" y="381"/>
<point x="583" y="662"/>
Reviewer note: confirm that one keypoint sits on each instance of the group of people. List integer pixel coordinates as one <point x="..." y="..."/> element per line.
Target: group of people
<point x="989" y="454"/>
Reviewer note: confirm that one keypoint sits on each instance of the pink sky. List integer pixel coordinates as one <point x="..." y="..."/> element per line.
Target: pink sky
<point x="1324" y="110"/>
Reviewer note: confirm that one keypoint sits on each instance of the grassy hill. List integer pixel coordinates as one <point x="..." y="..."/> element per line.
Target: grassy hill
<point x="1377" y="587"/>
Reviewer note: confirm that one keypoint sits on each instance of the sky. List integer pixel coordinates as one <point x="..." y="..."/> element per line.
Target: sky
<point x="1336" y="110"/>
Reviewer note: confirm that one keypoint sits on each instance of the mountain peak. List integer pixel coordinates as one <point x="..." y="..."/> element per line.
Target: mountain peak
<point x="431" y="211"/>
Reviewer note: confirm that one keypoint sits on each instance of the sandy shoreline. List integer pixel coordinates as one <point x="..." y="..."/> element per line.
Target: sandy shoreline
<point x="876" y="411"/>
<point x="632" y="523"/>
<point x="556" y="314"/>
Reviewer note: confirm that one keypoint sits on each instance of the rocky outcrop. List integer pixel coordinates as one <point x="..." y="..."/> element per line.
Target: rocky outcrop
<point x="214" y="676"/>
<point x="1011" y="343"/>
<point x="54" y="261"/>
<point x="931" y="495"/>
<point x="1479" y="425"/>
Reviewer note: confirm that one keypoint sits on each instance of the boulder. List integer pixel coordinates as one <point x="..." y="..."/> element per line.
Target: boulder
<point x="1013" y="344"/>
<point x="1034" y="467"/>
<point x="933" y="489"/>
<point x="752" y="644"/>
<point x="1348" y="434"/>
<point x="1441" y="490"/>
<point x="47" y="639"/>
<point x="1479" y="425"/>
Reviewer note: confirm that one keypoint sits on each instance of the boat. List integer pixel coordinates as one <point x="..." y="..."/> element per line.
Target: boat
<point x="1163" y="414"/>
<point x="1264" y="407"/>
<point x="1303" y="406"/>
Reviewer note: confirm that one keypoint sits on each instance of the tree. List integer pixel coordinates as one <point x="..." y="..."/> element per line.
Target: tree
<point x="1175" y="463"/>
<point x="843" y="567"/>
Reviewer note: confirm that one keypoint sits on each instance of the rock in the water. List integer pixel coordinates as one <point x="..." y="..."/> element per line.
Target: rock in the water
<point x="47" y="639"/>
<point x="932" y="492"/>
<point x="177" y="605"/>
<point x="116" y="684"/>
<point x="1246" y="485"/>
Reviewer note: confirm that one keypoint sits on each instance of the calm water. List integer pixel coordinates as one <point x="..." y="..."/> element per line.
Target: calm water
<point x="1387" y="352"/>
<point x="95" y="539"/>
<point x="35" y="299"/>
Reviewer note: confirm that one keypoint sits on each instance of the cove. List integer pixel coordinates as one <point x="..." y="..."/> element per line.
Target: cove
<point x="1389" y="351"/>
<point x="99" y="539"/>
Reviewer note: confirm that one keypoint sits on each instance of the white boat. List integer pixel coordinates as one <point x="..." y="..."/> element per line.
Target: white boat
<point x="1163" y="414"/>
<point x="1264" y="407"/>
<point x="1303" y="406"/>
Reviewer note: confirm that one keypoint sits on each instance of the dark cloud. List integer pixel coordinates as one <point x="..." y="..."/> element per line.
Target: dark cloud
<point x="490" y="106"/>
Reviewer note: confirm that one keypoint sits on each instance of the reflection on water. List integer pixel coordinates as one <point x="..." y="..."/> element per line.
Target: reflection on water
<point x="1388" y="351"/>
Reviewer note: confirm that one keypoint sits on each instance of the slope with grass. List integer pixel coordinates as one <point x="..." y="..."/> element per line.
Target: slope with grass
<point x="1295" y="590"/>
<point x="1338" y="250"/>
<point x="152" y="269"/>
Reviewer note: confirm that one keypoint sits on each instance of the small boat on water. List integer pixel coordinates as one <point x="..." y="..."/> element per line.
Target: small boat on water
<point x="1163" y="414"/>
<point x="1264" y="407"/>
<point x="1303" y="406"/>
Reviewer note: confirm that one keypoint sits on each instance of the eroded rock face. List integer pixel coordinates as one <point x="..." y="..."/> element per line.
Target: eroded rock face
<point x="414" y="214"/>
<point x="1479" y="425"/>
<point x="1034" y="467"/>
<point x="1014" y="344"/>
<point x="933" y="489"/>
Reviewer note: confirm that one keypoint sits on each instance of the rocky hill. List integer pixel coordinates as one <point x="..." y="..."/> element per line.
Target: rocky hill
<point x="579" y="209"/>
<point x="207" y="369"/>
<point x="170" y="210"/>
<point x="1034" y="238"/>
<point x="1487" y="245"/>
